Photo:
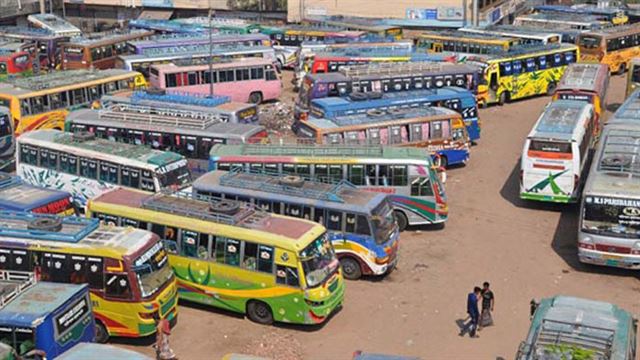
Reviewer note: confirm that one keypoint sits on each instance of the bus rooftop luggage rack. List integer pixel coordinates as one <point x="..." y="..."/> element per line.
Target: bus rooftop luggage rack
<point x="381" y="116"/>
<point x="190" y="49"/>
<point x="14" y="283"/>
<point x="109" y="147"/>
<point x="23" y="30"/>
<point x="70" y="229"/>
<point x="163" y="116"/>
<point x="581" y="76"/>
<point x="572" y="334"/>
<point x="180" y="98"/>
<point x="63" y="78"/>
<point x="312" y="150"/>
<point x="92" y="38"/>
<point x="392" y="68"/>
<point x="560" y="117"/>
<point x="620" y="153"/>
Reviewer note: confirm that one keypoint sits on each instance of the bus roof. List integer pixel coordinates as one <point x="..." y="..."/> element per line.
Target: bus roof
<point x="58" y="140"/>
<point x="561" y="120"/>
<point x="585" y="77"/>
<point x="28" y="308"/>
<point x="83" y="351"/>
<point x="179" y="39"/>
<point x="582" y="9"/>
<point x="517" y="31"/>
<point x="107" y="37"/>
<point x="53" y="23"/>
<point x="460" y="35"/>
<point x="629" y="111"/>
<point x="566" y="18"/>
<point x="362" y="119"/>
<point x="342" y="195"/>
<point x="403" y="68"/>
<point x="171" y="67"/>
<point x="30" y="33"/>
<point x="58" y="79"/>
<point x="246" y="217"/>
<point x="614" y="31"/>
<point x="525" y="50"/>
<point x="19" y="196"/>
<point x="192" y="52"/>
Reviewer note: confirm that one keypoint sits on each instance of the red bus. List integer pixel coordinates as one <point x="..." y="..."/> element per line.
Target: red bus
<point x="16" y="64"/>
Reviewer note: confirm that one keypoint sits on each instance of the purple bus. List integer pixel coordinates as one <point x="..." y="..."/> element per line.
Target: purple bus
<point x="47" y="46"/>
<point x="182" y="41"/>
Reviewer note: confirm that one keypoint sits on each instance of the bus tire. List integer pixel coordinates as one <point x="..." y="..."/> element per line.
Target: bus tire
<point x="259" y="312"/>
<point x="255" y="97"/>
<point x="551" y="88"/>
<point x="401" y="219"/>
<point x="350" y="268"/>
<point x="102" y="335"/>
<point x="622" y="69"/>
<point x="504" y="98"/>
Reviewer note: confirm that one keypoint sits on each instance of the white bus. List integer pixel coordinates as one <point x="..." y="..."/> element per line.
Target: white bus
<point x="556" y="152"/>
<point x="86" y="167"/>
<point x="526" y="35"/>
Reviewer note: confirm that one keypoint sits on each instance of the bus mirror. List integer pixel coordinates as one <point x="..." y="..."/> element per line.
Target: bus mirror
<point x="533" y="306"/>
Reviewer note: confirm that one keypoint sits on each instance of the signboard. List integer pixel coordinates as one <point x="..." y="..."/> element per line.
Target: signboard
<point x="422" y="14"/>
<point x="450" y="13"/>
<point x="316" y="11"/>
<point x="71" y="316"/>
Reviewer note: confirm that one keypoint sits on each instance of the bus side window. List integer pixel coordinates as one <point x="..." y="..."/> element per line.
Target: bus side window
<point x="286" y="275"/>
<point x="95" y="273"/>
<point x="78" y="270"/>
<point x="350" y="223"/>
<point x="399" y="175"/>
<point x="356" y="174"/>
<point x="319" y="216"/>
<point x="362" y="225"/>
<point x="334" y="221"/>
<point x="117" y="286"/>
<point x="88" y="168"/>
<point x="383" y="175"/>
<point x="265" y="259"/>
<point x="189" y="244"/>
<point x="108" y="172"/>
<point x="232" y="252"/>
<point x="250" y="256"/>
<point x="26" y="108"/>
<point x="542" y="62"/>
<point x="68" y="164"/>
<point x="146" y="182"/>
<point x="130" y="177"/>
<point x="421" y="187"/>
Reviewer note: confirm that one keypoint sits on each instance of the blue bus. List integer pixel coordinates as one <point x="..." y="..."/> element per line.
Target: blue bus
<point x="43" y="318"/>
<point x="454" y="98"/>
<point x="16" y="195"/>
<point x="7" y="139"/>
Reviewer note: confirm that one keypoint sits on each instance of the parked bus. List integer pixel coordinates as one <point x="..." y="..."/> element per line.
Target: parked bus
<point x="43" y="318"/>
<point x="371" y="26"/>
<point x="458" y="99"/>
<point x="360" y="224"/>
<point x="235" y="257"/>
<point x="247" y="80"/>
<point x="161" y="26"/>
<point x="614" y="47"/>
<point x="187" y="132"/>
<point x="463" y="42"/>
<point x="86" y="167"/>
<point x="43" y="101"/>
<point x="614" y="16"/>
<point x="14" y="62"/>
<point x="54" y="24"/>
<point x="83" y="351"/>
<point x="525" y="35"/>
<point x="586" y="82"/>
<point x="571" y="328"/>
<point x="98" y="50"/>
<point x="557" y="151"/>
<point x="7" y="139"/>
<point x="560" y="21"/>
<point x="221" y="25"/>
<point x="126" y="268"/>
<point x="374" y="79"/>
<point x="523" y="72"/>
<point x="48" y="47"/>
<point x="15" y="195"/>
<point x="407" y="175"/>
<point x="633" y="78"/>
<point x="182" y="43"/>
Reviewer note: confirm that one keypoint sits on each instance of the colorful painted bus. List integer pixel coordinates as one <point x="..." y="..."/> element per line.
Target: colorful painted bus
<point x="15" y="195"/>
<point x="161" y="26"/>
<point x="523" y="72"/>
<point x="586" y="82"/>
<point x="525" y="35"/>
<point x="454" y="41"/>
<point x="615" y="16"/>
<point x="48" y="47"/>
<point x="182" y="43"/>
<point x="614" y="47"/>
<point x="42" y="320"/>
<point x="220" y="25"/>
<point x="54" y="24"/>
<point x="560" y="21"/>
<point x="86" y="167"/>
<point x="189" y="133"/>
<point x="83" y="351"/>
<point x="244" y="80"/>
<point x="360" y="224"/>
<point x="567" y="327"/>
<point x="7" y="139"/>
<point x="98" y="50"/>
<point x="407" y="175"/>
<point x="633" y="78"/>
<point x="43" y="101"/>
<point x="458" y="99"/>
<point x="14" y="63"/>
<point x="373" y="79"/>
<point x="371" y="26"/>
<point x="235" y="257"/>
<point x="556" y="152"/>
<point x="126" y="268"/>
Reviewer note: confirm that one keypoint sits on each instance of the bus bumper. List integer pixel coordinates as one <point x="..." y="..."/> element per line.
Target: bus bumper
<point x="562" y="199"/>
<point x="595" y="257"/>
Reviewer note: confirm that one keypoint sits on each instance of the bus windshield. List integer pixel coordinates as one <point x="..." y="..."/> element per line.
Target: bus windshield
<point x="383" y="222"/>
<point x="612" y="217"/>
<point x="590" y="41"/>
<point x="176" y="175"/>
<point x="318" y="261"/>
<point x="151" y="270"/>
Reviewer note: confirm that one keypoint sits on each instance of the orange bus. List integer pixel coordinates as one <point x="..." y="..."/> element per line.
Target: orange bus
<point x="99" y="50"/>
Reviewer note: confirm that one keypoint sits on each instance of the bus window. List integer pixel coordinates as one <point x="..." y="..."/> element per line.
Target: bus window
<point x="78" y="270"/>
<point x="95" y="275"/>
<point x="189" y="243"/>
<point x="356" y="174"/>
<point x="334" y="221"/>
<point x="265" y="259"/>
<point x="362" y="225"/>
<point x="286" y="275"/>
<point x="117" y="286"/>
<point x="250" y="256"/>
<point x="232" y="252"/>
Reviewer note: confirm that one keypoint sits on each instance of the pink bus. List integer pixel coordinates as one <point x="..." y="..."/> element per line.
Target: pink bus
<point x="246" y="80"/>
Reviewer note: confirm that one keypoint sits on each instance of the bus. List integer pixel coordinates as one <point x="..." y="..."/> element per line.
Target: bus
<point x="633" y="78"/>
<point x="371" y="26"/>
<point x="236" y="257"/>
<point x="187" y="132"/>
<point x="407" y="175"/>
<point x="525" y="35"/>
<point x="615" y="16"/>
<point x="585" y="82"/>
<point x="129" y="278"/>
<point x="196" y="56"/>
<point x="42" y="318"/>
<point x="54" y="24"/>
<point x="87" y="350"/>
<point x="98" y="50"/>
<point x="454" y="98"/>
<point x="456" y="41"/>
<point x="560" y="21"/>
<point x="523" y="72"/>
<point x="247" y="80"/>
<point x="15" y="64"/>
<point x="161" y="26"/>
<point x="7" y="139"/>
<point x="360" y="223"/>
<point x="228" y="111"/>
<point x="614" y="47"/>
<point x="556" y="152"/>
<point x="16" y="195"/>
<point x="372" y="80"/>
<point x="43" y="101"/>
<point x="182" y="43"/>
<point x="48" y="47"/>
<point x="438" y="130"/>
<point x="86" y="167"/>
<point x="568" y="327"/>
<point x="221" y="25"/>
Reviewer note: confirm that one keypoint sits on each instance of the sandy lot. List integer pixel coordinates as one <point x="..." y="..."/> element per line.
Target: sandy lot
<point x="525" y="250"/>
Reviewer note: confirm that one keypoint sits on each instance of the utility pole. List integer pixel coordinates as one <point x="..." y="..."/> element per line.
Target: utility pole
<point x="210" y="51"/>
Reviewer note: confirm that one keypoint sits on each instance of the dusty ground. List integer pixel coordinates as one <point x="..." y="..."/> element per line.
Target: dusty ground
<point x="526" y="251"/>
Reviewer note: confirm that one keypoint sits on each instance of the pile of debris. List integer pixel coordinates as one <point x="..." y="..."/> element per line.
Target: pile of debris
<point x="277" y="117"/>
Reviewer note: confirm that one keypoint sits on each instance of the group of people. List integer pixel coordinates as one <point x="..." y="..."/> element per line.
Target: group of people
<point x="479" y="319"/>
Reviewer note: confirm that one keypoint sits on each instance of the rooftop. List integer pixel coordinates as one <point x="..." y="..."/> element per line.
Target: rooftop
<point x="378" y="116"/>
<point x="59" y="79"/>
<point x="560" y="120"/>
<point x="390" y="69"/>
<point x="99" y="37"/>
<point x="583" y="76"/>
<point x="14" y="192"/>
<point x="629" y="111"/>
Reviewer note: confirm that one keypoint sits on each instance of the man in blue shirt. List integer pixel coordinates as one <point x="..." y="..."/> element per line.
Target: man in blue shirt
<point x="474" y="313"/>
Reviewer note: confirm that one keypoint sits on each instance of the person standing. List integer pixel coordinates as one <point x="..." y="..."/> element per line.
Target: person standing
<point x="488" y="301"/>
<point x="474" y="314"/>
<point x="163" y="351"/>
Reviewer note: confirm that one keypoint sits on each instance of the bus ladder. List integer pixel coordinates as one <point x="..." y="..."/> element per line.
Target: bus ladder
<point x="23" y="281"/>
<point x="159" y="116"/>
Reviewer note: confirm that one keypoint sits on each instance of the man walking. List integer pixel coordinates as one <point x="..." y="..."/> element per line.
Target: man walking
<point x="472" y="310"/>
<point x="488" y="300"/>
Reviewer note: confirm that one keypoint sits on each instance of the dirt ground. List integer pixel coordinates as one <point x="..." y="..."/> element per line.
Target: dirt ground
<point x="525" y="250"/>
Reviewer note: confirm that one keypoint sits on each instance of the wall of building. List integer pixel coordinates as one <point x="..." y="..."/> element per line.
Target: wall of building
<point x="13" y="8"/>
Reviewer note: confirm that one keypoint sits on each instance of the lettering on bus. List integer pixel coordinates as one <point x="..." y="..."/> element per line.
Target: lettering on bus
<point x="156" y="251"/>
<point x="386" y="190"/>
<point x="68" y="318"/>
<point x="578" y="97"/>
<point x="247" y="113"/>
<point x="175" y="165"/>
<point x="56" y="207"/>
<point x="625" y="211"/>
<point x="598" y="200"/>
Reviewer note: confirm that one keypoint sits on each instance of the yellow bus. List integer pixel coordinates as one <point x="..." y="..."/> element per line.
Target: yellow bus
<point x="43" y="102"/>
<point x="614" y="47"/>
<point x="633" y="78"/>
<point x="235" y="257"/>
<point x="127" y="269"/>
<point x="464" y="42"/>
<point x="522" y="72"/>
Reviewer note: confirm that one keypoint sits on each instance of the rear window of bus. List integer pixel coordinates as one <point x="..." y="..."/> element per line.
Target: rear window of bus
<point x="550" y="147"/>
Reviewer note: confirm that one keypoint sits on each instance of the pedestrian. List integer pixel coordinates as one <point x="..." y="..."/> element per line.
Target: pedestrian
<point x="472" y="310"/>
<point x="488" y="301"/>
<point x="163" y="351"/>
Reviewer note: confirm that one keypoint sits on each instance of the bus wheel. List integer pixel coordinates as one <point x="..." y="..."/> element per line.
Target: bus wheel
<point x="259" y="312"/>
<point x="255" y="97"/>
<point x="622" y="68"/>
<point x="401" y="219"/>
<point x="504" y="97"/>
<point x="102" y="335"/>
<point x="350" y="268"/>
